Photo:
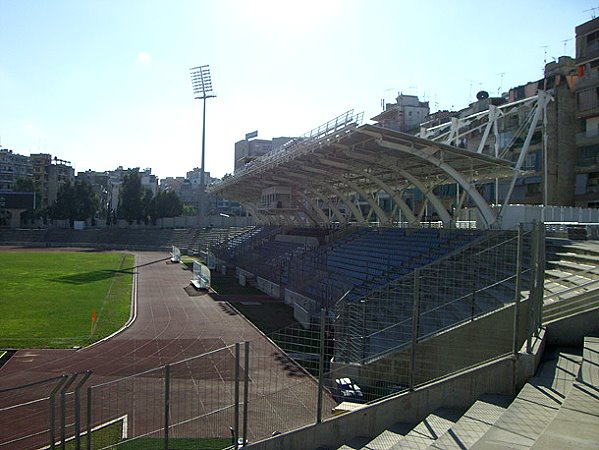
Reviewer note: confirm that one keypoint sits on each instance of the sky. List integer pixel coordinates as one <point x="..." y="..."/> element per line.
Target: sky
<point x="106" y="83"/>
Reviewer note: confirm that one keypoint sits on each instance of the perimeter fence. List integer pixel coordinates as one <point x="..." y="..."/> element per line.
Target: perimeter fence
<point x="454" y="314"/>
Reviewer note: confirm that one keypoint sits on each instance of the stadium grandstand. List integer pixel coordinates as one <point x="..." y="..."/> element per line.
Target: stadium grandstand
<point x="426" y="314"/>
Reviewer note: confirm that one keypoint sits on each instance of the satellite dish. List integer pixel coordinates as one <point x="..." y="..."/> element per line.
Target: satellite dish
<point x="482" y="95"/>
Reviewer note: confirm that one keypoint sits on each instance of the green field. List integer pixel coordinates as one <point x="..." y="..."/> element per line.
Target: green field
<point x="47" y="299"/>
<point x="110" y="437"/>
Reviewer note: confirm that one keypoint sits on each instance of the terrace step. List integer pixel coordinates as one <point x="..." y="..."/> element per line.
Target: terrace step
<point x="384" y="441"/>
<point x="535" y="406"/>
<point x="429" y="430"/>
<point x="474" y="423"/>
<point x="576" y="425"/>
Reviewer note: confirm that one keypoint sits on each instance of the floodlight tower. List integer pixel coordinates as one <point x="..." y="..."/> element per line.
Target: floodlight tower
<point x="202" y="89"/>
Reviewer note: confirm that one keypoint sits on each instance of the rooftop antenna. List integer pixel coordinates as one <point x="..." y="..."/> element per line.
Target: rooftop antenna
<point x="592" y="11"/>
<point x="545" y="47"/>
<point x="472" y="83"/>
<point x="565" y="41"/>
<point x="502" y="74"/>
<point x="387" y="92"/>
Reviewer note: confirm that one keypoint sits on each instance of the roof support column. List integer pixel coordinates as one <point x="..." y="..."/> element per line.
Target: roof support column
<point x="319" y="212"/>
<point x="399" y="201"/>
<point x="485" y="212"/>
<point x="374" y="206"/>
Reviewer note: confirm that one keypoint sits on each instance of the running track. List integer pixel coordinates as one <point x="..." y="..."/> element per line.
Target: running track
<point x="170" y="325"/>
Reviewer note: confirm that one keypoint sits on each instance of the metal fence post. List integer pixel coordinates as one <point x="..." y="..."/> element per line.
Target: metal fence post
<point x="515" y="344"/>
<point x="246" y="384"/>
<point x="78" y="409"/>
<point x="53" y="411"/>
<point x="321" y="366"/>
<point x="541" y="281"/>
<point x="516" y="324"/>
<point x="415" y="320"/>
<point x="167" y="403"/>
<point x="89" y="418"/>
<point x="236" y="418"/>
<point x="532" y="297"/>
<point x="63" y="412"/>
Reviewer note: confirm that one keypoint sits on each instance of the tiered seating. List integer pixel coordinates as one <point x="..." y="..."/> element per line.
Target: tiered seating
<point x="480" y="287"/>
<point x="238" y="244"/>
<point x="371" y="259"/>
<point x="271" y="259"/>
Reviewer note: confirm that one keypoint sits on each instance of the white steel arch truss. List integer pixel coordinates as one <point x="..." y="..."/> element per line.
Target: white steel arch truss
<point x="360" y="162"/>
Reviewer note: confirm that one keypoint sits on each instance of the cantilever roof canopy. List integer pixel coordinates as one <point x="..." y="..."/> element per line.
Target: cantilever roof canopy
<point x="363" y="161"/>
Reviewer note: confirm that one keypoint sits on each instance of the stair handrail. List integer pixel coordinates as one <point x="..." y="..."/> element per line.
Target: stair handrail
<point x="572" y="288"/>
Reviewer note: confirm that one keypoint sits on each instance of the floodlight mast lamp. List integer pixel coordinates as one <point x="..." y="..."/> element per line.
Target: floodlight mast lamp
<point x="202" y="89"/>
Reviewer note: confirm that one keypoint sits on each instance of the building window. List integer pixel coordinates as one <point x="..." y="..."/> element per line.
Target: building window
<point x="592" y="41"/>
<point x="587" y="99"/>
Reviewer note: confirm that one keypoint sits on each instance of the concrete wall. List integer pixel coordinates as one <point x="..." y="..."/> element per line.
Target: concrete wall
<point x="486" y="337"/>
<point x="243" y="276"/>
<point x="268" y="287"/>
<point x="571" y="330"/>
<point x="303" y="306"/>
<point x="166" y="222"/>
<point x="515" y="214"/>
<point x="501" y="376"/>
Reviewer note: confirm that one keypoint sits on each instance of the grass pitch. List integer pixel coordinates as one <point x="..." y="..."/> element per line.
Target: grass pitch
<point x="47" y="300"/>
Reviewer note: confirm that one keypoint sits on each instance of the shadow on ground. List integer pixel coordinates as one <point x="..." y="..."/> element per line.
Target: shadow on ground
<point x="99" y="275"/>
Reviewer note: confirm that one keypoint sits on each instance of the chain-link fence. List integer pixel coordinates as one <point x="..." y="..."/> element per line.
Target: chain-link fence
<point x="462" y="310"/>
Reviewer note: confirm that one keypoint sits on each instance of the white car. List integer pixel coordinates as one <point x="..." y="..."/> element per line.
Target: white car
<point x="348" y="390"/>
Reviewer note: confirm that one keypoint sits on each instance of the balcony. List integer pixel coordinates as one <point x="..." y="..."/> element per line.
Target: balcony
<point x="588" y="137"/>
<point x="588" y="80"/>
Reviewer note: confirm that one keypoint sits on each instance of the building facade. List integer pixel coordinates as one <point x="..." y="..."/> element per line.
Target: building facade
<point x="587" y="113"/>
<point x="405" y="115"/>
<point x="49" y="174"/>
<point x="12" y="167"/>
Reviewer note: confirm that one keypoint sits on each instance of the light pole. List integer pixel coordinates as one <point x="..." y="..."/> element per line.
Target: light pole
<point x="202" y="89"/>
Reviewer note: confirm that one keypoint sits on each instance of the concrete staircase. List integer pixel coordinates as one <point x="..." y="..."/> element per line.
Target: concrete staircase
<point x="571" y="278"/>
<point x="556" y="409"/>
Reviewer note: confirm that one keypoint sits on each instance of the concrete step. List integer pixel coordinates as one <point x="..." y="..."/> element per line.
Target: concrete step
<point x="584" y="270"/>
<point x="568" y="279"/>
<point x="358" y="442"/>
<point x="474" y="423"/>
<point x="384" y="441"/>
<point x="576" y="424"/>
<point x="583" y="258"/>
<point x="589" y="370"/>
<point x="535" y="406"/>
<point x="552" y="287"/>
<point x="569" y="303"/>
<point x="429" y="430"/>
<point x="586" y="247"/>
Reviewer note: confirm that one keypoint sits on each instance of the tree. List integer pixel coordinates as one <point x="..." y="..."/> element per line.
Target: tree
<point x="75" y="202"/>
<point x="165" y="204"/>
<point x="24" y="184"/>
<point x="131" y="205"/>
<point x="189" y="210"/>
